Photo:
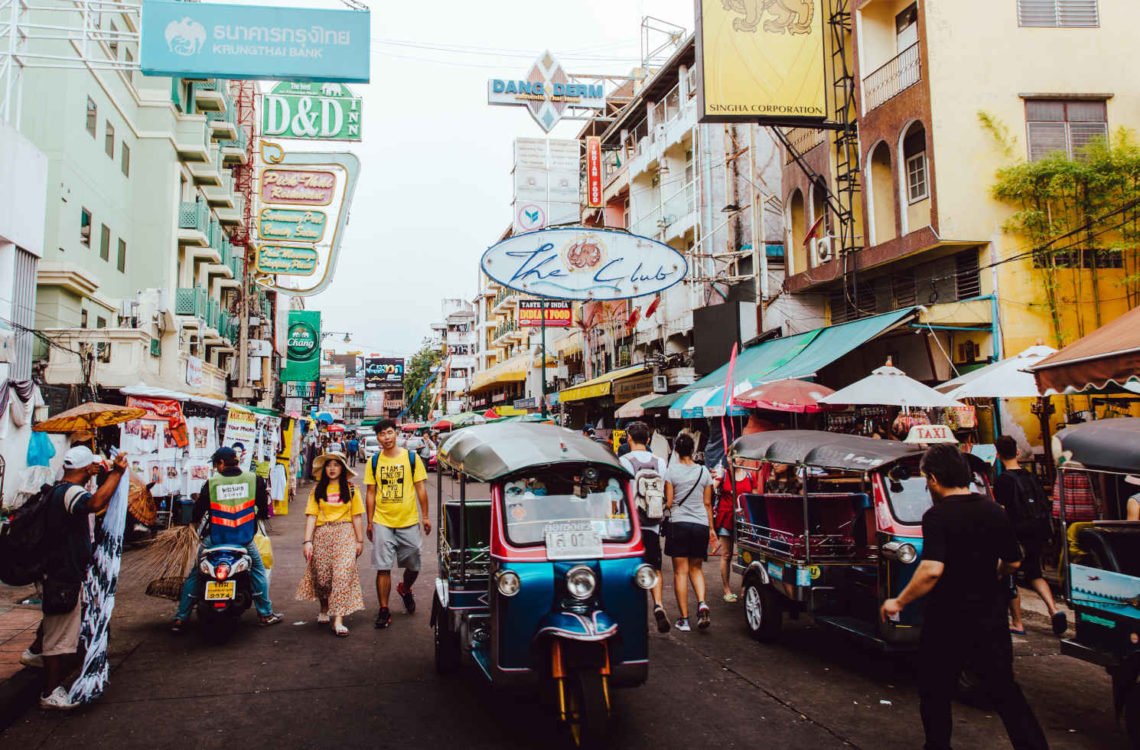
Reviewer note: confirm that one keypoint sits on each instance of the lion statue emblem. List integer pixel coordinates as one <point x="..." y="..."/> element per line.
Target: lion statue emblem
<point x="788" y="16"/>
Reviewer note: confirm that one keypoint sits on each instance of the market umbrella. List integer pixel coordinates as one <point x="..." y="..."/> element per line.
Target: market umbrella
<point x="1006" y="378"/>
<point x="467" y="418"/>
<point x="336" y="428"/>
<point x="410" y="426"/>
<point x="325" y="417"/>
<point x="443" y="425"/>
<point x="889" y="386"/>
<point x="490" y="414"/>
<point x="791" y="396"/>
<point x="636" y="407"/>
<point x="89" y="416"/>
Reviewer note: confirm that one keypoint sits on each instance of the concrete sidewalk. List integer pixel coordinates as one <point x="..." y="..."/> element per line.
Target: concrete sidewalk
<point x="18" y="684"/>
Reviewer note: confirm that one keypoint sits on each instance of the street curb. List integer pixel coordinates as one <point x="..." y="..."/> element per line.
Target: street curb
<point x="18" y="694"/>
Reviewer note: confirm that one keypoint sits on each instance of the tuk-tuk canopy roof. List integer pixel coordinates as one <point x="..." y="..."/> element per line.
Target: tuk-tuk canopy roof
<point x="826" y="450"/>
<point x="1110" y="444"/>
<point x="492" y="451"/>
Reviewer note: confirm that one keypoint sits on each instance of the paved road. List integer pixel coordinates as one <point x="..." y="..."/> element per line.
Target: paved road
<point x="297" y="686"/>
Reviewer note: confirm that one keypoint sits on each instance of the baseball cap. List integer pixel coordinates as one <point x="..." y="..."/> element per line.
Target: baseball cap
<point x="224" y="454"/>
<point x="79" y="457"/>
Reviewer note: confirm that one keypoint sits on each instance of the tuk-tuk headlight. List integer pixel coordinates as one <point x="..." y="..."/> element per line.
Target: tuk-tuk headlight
<point x="508" y="582"/>
<point x="581" y="582"/>
<point x="645" y="577"/>
<point x="902" y="552"/>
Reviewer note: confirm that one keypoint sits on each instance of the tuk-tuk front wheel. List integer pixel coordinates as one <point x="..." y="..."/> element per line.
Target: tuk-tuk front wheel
<point x="762" y="610"/>
<point x="587" y="708"/>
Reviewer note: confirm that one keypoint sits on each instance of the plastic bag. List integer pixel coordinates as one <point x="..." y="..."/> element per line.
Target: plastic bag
<point x="264" y="548"/>
<point x="40" y="450"/>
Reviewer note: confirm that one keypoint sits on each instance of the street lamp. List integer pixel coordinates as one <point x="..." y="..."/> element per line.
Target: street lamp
<point x="347" y="336"/>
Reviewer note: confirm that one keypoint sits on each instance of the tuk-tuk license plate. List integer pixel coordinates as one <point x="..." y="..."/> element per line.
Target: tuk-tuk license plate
<point x="573" y="540"/>
<point x="220" y="590"/>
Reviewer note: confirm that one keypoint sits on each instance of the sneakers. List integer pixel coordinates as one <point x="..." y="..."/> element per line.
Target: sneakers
<point x="272" y="618"/>
<point x="407" y="597"/>
<point x="703" y="620"/>
<point x="1060" y="623"/>
<point x="383" y="619"/>
<point x="682" y="624"/>
<point x="31" y="659"/>
<point x="662" y="620"/>
<point x="57" y="700"/>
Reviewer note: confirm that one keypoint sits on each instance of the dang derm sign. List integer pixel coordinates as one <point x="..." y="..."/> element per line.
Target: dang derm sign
<point x="576" y="263"/>
<point x="211" y="40"/>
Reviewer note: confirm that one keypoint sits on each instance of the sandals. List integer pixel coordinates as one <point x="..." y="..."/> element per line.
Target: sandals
<point x="340" y="630"/>
<point x="323" y="618"/>
<point x="731" y="597"/>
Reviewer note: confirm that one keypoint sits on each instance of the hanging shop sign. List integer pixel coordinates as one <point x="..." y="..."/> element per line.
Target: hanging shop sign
<point x="575" y="263"/>
<point x="215" y="40"/>
<point x="311" y="111"/>
<point x="298" y="187"/>
<point x="559" y="313"/>
<point x="547" y="92"/>
<point x="627" y="389"/>
<point x="526" y="403"/>
<point x="761" y="62"/>
<point x="291" y="225"/>
<point x="303" y="349"/>
<point x="288" y="260"/>
<point x="383" y="372"/>
<point x="593" y="171"/>
<point x="194" y="376"/>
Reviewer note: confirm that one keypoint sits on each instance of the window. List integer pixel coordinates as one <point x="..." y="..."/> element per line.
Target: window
<point x="967" y="276"/>
<point x="1069" y="14"/>
<point x="109" y="140"/>
<point x="100" y="322"/>
<point x="23" y="312"/>
<point x="906" y="28"/>
<point x="125" y="159"/>
<point x="105" y="242"/>
<point x="914" y="155"/>
<point x="92" y="116"/>
<point x="85" y="227"/>
<point x="1067" y="127"/>
<point x="122" y="263"/>
<point x="113" y="42"/>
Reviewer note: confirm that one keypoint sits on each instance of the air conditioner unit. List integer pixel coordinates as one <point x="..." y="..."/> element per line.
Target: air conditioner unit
<point x="823" y="249"/>
<point x="660" y="384"/>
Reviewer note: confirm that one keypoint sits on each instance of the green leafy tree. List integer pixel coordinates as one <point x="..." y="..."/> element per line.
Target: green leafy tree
<point x="417" y="372"/>
<point x="1076" y="212"/>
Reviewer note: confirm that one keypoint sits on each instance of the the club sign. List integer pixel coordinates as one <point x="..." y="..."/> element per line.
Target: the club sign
<point x="584" y="264"/>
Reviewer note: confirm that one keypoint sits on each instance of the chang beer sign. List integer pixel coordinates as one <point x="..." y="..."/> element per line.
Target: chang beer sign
<point x="311" y="111"/>
<point x="303" y="347"/>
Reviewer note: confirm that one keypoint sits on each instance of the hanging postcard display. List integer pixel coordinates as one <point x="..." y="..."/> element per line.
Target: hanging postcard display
<point x="203" y="437"/>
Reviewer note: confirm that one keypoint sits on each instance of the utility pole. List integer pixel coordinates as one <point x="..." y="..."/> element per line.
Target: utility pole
<point x="542" y="311"/>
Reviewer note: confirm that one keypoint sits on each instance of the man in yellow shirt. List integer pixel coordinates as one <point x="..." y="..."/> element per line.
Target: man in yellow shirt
<point x="395" y="480"/>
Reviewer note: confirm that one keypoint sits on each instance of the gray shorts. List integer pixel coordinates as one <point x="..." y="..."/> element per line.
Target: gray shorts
<point x="391" y="546"/>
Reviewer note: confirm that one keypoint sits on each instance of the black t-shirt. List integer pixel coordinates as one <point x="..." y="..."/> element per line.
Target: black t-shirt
<point x="968" y="534"/>
<point x="71" y="553"/>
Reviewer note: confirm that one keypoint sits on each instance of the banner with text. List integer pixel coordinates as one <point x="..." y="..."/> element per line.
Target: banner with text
<point x="559" y="313"/>
<point x="303" y="350"/>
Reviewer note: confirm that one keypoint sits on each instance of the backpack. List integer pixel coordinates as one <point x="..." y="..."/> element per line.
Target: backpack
<point x="411" y="459"/>
<point x="648" y="489"/>
<point x="25" y="542"/>
<point x="1031" y="508"/>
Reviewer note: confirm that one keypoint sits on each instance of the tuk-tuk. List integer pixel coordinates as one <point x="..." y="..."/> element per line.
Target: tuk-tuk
<point x="541" y="576"/>
<point x="834" y="529"/>
<point x="1101" y="559"/>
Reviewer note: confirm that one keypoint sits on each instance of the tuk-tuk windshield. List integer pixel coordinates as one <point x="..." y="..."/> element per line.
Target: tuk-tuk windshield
<point x="534" y="506"/>
<point x="908" y="494"/>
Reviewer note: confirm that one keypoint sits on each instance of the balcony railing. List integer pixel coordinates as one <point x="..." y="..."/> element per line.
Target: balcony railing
<point x="238" y="143"/>
<point x="194" y="215"/>
<point x="190" y="301"/>
<point x="897" y="75"/>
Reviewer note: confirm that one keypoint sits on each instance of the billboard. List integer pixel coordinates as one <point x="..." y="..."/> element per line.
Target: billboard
<point x="303" y="350"/>
<point x="546" y="183"/>
<point x="383" y="372"/>
<point x="575" y="263"/>
<point x="311" y="111"/>
<point x="546" y="92"/>
<point x="559" y="313"/>
<point x="215" y="40"/>
<point x="761" y="62"/>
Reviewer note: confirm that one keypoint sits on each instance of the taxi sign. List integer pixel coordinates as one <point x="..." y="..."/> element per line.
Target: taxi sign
<point x="930" y="434"/>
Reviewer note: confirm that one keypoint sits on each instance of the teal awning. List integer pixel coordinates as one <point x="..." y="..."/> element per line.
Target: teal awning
<point x="801" y="356"/>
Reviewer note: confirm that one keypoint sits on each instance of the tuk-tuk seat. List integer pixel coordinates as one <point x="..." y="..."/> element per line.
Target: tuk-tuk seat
<point x="478" y="523"/>
<point x="1115" y="547"/>
<point x="776" y="522"/>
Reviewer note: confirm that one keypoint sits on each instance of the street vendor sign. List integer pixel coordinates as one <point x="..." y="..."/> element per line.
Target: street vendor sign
<point x="576" y="263"/>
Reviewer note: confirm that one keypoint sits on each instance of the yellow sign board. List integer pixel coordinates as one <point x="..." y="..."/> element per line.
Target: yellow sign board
<point x="761" y="61"/>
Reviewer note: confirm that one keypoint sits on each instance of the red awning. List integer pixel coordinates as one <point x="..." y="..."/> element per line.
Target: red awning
<point x="1110" y="355"/>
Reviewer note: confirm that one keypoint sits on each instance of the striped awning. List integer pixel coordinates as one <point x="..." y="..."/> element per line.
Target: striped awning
<point x="706" y="402"/>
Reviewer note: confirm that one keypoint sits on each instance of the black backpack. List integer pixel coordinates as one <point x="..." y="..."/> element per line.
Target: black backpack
<point x="25" y="540"/>
<point x="1031" y="507"/>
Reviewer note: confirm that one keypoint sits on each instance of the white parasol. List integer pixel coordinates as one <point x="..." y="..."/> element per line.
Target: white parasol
<point x="1006" y="378"/>
<point x="889" y="386"/>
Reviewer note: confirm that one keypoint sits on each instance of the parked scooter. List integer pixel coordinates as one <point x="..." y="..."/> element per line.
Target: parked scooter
<point x="226" y="589"/>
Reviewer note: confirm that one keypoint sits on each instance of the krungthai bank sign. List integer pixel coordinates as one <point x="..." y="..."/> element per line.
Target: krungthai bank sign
<point x="547" y="92"/>
<point x="213" y="40"/>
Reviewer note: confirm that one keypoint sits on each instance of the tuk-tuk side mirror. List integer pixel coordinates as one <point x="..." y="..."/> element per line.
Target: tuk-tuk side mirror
<point x="897" y="475"/>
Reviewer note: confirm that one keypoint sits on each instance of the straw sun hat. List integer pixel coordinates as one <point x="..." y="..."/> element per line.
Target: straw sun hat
<point x="320" y="461"/>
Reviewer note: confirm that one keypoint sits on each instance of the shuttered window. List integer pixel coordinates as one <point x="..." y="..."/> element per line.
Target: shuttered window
<point x="1063" y="126"/>
<point x="1069" y="14"/>
<point x="23" y="313"/>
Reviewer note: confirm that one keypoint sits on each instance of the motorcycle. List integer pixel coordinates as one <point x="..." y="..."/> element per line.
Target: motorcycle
<point x="225" y="589"/>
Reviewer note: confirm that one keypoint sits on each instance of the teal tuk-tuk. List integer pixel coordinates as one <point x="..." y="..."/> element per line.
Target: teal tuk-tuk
<point x="1101" y="559"/>
<point x="542" y="581"/>
<point x="834" y="529"/>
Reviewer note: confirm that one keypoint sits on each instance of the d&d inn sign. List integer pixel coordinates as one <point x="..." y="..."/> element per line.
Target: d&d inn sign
<point x="214" y="40"/>
<point x="576" y="263"/>
<point x="311" y="111"/>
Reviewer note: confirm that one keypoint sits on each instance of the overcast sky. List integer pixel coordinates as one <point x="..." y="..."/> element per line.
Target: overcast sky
<point x="435" y="189"/>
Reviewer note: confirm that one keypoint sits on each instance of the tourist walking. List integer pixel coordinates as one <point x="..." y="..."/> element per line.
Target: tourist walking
<point x="688" y="495"/>
<point x="334" y="538"/>
<point x="1027" y="506"/>
<point x="649" y="496"/>
<point x="397" y="507"/>
<point x="353" y="449"/>
<point x="723" y="519"/>
<point x="969" y="547"/>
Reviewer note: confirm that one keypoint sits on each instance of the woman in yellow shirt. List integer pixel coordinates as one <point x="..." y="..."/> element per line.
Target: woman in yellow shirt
<point x="334" y="538"/>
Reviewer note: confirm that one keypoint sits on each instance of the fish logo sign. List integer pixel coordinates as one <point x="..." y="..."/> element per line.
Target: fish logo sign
<point x="185" y="37"/>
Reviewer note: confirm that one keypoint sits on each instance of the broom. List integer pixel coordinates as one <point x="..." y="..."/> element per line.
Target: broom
<point x="164" y="562"/>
